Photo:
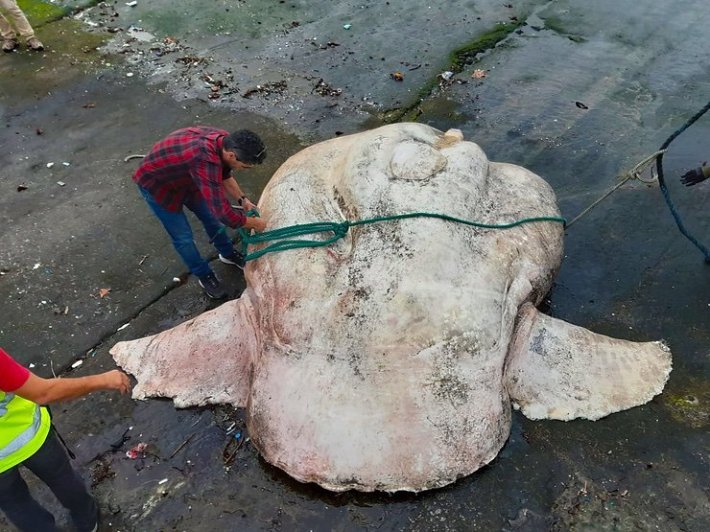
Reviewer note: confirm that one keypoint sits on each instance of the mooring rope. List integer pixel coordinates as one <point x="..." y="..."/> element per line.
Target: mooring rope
<point x="634" y="173"/>
<point x="664" y="188"/>
<point x="283" y="238"/>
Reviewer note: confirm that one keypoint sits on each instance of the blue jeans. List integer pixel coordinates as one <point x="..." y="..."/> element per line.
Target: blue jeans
<point x="51" y="464"/>
<point x="178" y="227"/>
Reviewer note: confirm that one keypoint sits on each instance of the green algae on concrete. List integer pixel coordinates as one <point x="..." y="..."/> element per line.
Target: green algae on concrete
<point x="457" y="61"/>
<point x="70" y="51"/>
<point x="555" y="24"/>
<point x="465" y="54"/>
<point x="41" y="13"/>
<point x="691" y="405"/>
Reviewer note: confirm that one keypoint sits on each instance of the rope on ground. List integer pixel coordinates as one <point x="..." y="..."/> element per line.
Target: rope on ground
<point x="283" y="238"/>
<point x="634" y="173"/>
<point x="664" y="188"/>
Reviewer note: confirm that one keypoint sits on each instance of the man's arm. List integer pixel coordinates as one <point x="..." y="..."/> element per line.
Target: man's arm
<point x="44" y="391"/>
<point x="208" y="178"/>
<point x="235" y="191"/>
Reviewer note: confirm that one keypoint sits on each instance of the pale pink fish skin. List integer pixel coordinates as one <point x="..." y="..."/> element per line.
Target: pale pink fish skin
<point x="379" y="363"/>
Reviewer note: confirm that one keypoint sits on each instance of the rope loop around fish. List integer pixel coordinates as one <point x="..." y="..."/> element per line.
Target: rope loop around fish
<point x="285" y="238"/>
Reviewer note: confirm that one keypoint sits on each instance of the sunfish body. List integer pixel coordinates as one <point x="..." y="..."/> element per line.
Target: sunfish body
<point x="390" y="359"/>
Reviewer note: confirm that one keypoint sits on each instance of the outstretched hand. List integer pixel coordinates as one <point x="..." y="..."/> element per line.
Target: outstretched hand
<point x="693" y="177"/>
<point x="117" y="380"/>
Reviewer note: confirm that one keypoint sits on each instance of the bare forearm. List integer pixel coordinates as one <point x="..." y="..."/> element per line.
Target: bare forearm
<point x="232" y="188"/>
<point x="44" y="391"/>
<point x="63" y="389"/>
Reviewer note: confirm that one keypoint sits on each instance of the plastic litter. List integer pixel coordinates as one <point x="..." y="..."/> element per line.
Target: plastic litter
<point x="77" y="364"/>
<point x="137" y="451"/>
<point x="347" y="26"/>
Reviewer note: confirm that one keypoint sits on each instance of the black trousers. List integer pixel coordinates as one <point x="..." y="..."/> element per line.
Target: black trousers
<point x="51" y="464"/>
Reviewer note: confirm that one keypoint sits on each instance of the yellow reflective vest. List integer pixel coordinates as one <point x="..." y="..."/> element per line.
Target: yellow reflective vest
<point x="24" y="426"/>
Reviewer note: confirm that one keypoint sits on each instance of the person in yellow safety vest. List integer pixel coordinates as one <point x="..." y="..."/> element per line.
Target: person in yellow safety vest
<point x="27" y="439"/>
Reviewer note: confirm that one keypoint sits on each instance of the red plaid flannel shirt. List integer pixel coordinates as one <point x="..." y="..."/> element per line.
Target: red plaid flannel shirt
<point x="186" y="166"/>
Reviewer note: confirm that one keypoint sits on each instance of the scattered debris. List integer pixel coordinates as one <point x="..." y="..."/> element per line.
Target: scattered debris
<point x="446" y="76"/>
<point x="122" y="327"/>
<point x="177" y="280"/>
<point x="132" y="4"/>
<point x="191" y="60"/>
<point x="414" y="67"/>
<point x="581" y="105"/>
<point x="277" y="87"/>
<point x="22" y="187"/>
<point x="49" y="165"/>
<point x="39" y="131"/>
<point x="77" y="364"/>
<point x="397" y="76"/>
<point x="143" y="259"/>
<point x="232" y="447"/>
<point x="37" y="265"/>
<point x="137" y="451"/>
<point x="479" y="74"/>
<point x="162" y="481"/>
<point x="89" y="105"/>
<point x="103" y="292"/>
<point x="100" y="471"/>
<point x="347" y="26"/>
<point x="324" y="89"/>
<point x="61" y="183"/>
<point x="183" y="444"/>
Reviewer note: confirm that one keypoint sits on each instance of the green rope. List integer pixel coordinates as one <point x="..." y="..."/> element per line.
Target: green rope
<point x="283" y="238"/>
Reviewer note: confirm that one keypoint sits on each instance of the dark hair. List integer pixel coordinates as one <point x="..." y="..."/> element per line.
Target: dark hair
<point x="246" y="145"/>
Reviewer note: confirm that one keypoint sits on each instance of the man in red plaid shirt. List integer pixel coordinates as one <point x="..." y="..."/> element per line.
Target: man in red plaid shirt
<point x="192" y="167"/>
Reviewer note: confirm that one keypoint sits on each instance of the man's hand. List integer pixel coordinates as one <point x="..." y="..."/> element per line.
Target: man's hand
<point x="247" y="204"/>
<point x="693" y="177"/>
<point x="117" y="380"/>
<point x="257" y="224"/>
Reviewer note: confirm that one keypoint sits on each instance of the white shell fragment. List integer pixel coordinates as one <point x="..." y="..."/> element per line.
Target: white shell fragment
<point x="388" y="360"/>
